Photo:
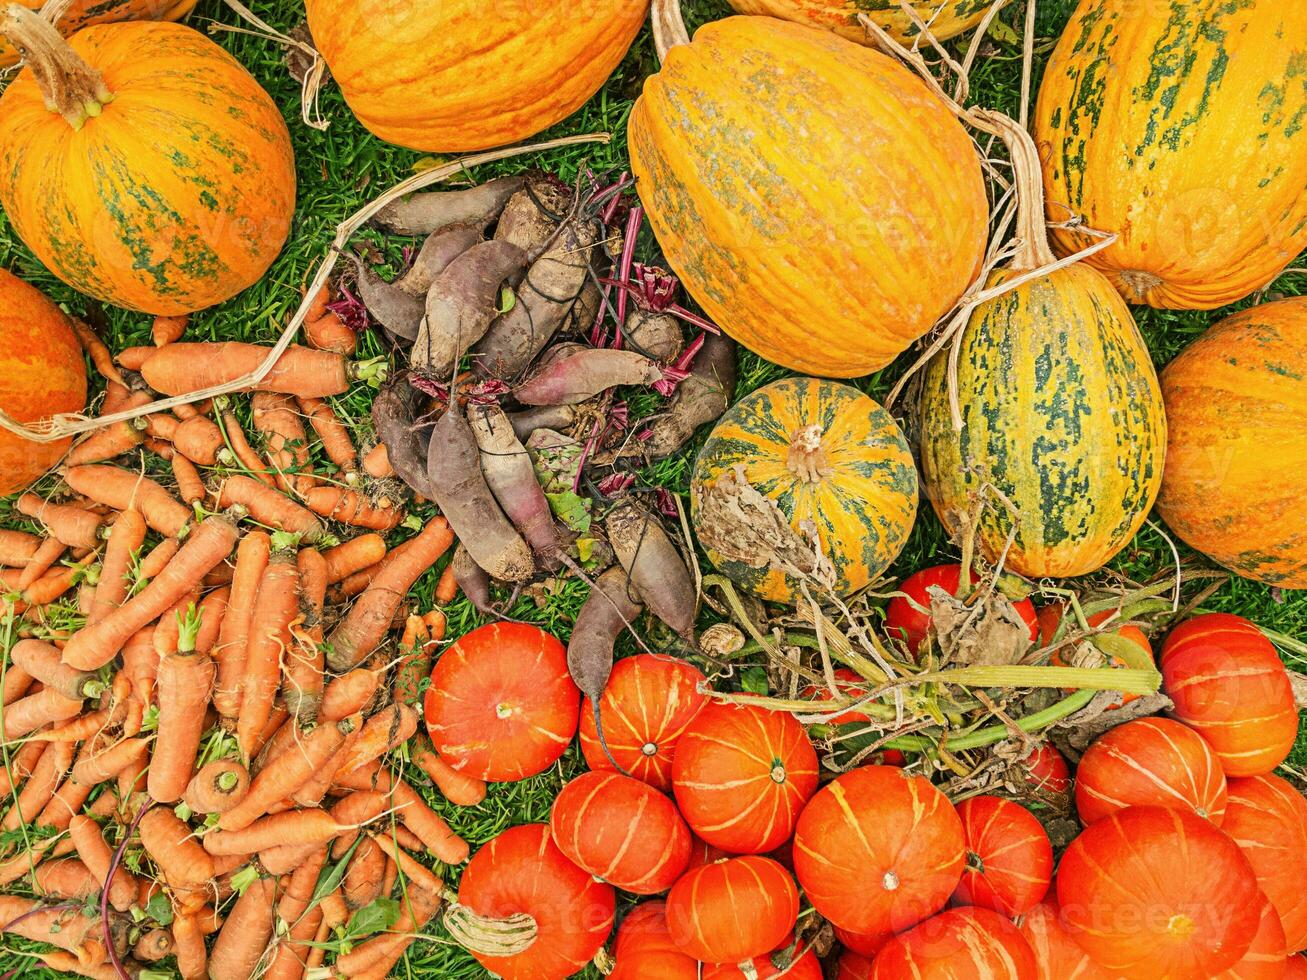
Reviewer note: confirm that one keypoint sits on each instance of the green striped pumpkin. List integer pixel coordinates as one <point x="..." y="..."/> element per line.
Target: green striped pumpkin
<point x="832" y="459"/>
<point x="1061" y="412"/>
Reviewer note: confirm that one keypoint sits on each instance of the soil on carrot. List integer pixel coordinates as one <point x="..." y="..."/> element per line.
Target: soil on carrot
<point x="343" y="167"/>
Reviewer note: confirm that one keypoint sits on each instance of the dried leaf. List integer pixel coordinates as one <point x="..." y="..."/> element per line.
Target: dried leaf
<point x="1075" y="734"/>
<point x="978" y="631"/>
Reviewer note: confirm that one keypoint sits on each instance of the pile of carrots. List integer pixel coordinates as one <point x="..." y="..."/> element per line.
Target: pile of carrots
<point x="201" y="697"/>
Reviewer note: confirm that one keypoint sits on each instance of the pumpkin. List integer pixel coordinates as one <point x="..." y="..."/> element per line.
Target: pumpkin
<point x="1296" y="968"/>
<point x="522" y="872"/>
<point x="1152" y="892"/>
<point x="1178" y="127"/>
<point x="731" y="146"/>
<point x="1110" y="645"/>
<point x="645" y="707"/>
<point x="45" y="376"/>
<point x="454" y="75"/>
<point x="1266" y="956"/>
<point x="741" y="775"/>
<point x="965" y="942"/>
<point x="1045" y="769"/>
<point x="701" y="853"/>
<point x="1228" y="683"/>
<point x="1009" y="856"/>
<point x="733" y="910"/>
<point x="853" y="966"/>
<point x="1267" y="818"/>
<point x="622" y="831"/>
<point x="877" y="850"/>
<point x="1238" y="389"/>
<point x="945" y="18"/>
<point x="644" y="948"/>
<point x="1057" y="955"/>
<point x="864" y="945"/>
<point x="831" y="459"/>
<point x="1150" y="762"/>
<point x="792" y="964"/>
<point x="501" y="705"/>
<point x="907" y="617"/>
<point x="168" y="225"/>
<point x="81" y="13"/>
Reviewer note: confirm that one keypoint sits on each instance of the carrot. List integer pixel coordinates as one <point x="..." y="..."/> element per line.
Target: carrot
<point x="354" y="555"/>
<point x="40" y="786"/>
<point x="123" y="490"/>
<point x="251" y="562"/>
<point x="66" y="928"/>
<point x="362" y="882"/>
<point x="318" y="950"/>
<point x="190" y="486"/>
<point x="74" y="526"/>
<point x="83" y="726"/>
<point x="188" y="942"/>
<point x="334" y="910"/>
<point x="176" y="853"/>
<point x="354" y="508"/>
<point x="414" y="871"/>
<point x="286" y="442"/>
<point x="102" y="766"/>
<point x="213" y="610"/>
<point x="50" y="551"/>
<point x="275" y="606"/>
<point x="168" y="329"/>
<point x="153" y="946"/>
<point x="113" y="440"/>
<point x="447" y="587"/>
<point x="415" y="665"/>
<point x="318" y="305"/>
<point x="185" y="686"/>
<point x="376" y="462"/>
<point x="331" y="333"/>
<point x="168" y="630"/>
<point x="285" y="773"/>
<point x="158" y="558"/>
<point x="221" y="575"/>
<point x="245" y="455"/>
<point x="436" y="626"/>
<point x="302" y="685"/>
<point x="68" y="798"/>
<point x="209" y="543"/>
<point x="335" y="438"/>
<point x="291" y="827"/>
<point x="179" y="369"/>
<point x="360" y="632"/>
<point x="125" y="539"/>
<point x="275" y="721"/>
<point x="132" y="780"/>
<point x="45" y="663"/>
<point x="21" y="764"/>
<point x="141" y="666"/>
<point x="389" y="727"/>
<point x="374" y="958"/>
<point x="285" y="858"/>
<point x="96" y="855"/>
<point x="134" y="358"/>
<point x="246" y="933"/>
<point x="17" y="548"/>
<point x="412" y="809"/>
<point x="459" y="789"/>
<point x="349" y="693"/>
<point x="217" y="787"/>
<point x="96" y="351"/>
<point x="28" y="714"/>
<point x="16" y="683"/>
<point x="270" y="507"/>
<point x="52" y="585"/>
<point x="292" y="949"/>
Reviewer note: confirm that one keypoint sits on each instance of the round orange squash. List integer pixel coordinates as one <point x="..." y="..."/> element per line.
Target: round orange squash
<point x="1057" y="955"/>
<point x="622" y="831"/>
<point x="863" y="945"/>
<point x="731" y="145"/>
<point x="83" y="13"/>
<point x="961" y="944"/>
<point x="44" y="376"/>
<point x="1266" y="956"/>
<point x="742" y="775"/>
<point x="877" y="851"/>
<point x="1178" y="127"/>
<point x="854" y="966"/>
<point x="1238" y="389"/>
<point x="455" y="75"/>
<point x="1267" y="818"/>
<point x="167" y="225"/>
<point x="644" y="948"/>
<point x="791" y="964"/>
<point x="945" y="18"/>
<point x="1009" y="856"/>
<point x="1296" y="968"/>
<point x="733" y="910"/>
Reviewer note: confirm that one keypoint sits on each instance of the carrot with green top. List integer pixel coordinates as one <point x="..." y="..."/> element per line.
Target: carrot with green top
<point x="251" y="561"/>
<point x="275" y="607"/>
<point x="271" y="508"/>
<point x="286" y="772"/>
<point x="124" y="490"/>
<point x="185" y="685"/>
<point x="125" y="539"/>
<point x="217" y="787"/>
<point x="180" y="369"/>
<point x="45" y="663"/>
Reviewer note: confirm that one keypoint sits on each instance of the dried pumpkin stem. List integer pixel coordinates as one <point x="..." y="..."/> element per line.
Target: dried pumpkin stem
<point x="70" y="86"/>
<point x="807" y="456"/>
<point x="1033" y="252"/>
<point x="668" y="26"/>
<point x="490" y="937"/>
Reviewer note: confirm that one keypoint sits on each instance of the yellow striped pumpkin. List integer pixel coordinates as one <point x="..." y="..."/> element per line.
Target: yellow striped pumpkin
<point x="945" y="18"/>
<point x="831" y="458"/>
<point x="83" y="13"/>
<point x="1182" y="128"/>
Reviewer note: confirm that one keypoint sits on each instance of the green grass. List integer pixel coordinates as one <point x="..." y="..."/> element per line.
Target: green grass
<point x="344" y="167"/>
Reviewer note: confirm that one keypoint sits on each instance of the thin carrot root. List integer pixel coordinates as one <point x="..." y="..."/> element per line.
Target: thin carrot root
<point x="168" y="329"/>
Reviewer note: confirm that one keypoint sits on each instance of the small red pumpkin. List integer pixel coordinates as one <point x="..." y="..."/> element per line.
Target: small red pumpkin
<point x="878" y="850"/>
<point x="1266" y="957"/>
<point x="1296" y="968"/>
<point x="905" y="621"/>
<point x="1046" y="769"/>
<point x="851" y="685"/>
<point x="621" y="831"/>
<point x="502" y="705"/>
<point x="853" y="966"/>
<point x="1150" y="762"/>
<point x="741" y="776"/>
<point x="1152" y="892"/>
<point x="733" y="910"/>
<point x="1057" y="955"/>
<point x="1229" y="684"/>
<point x="647" y="704"/>
<point x="522" y="871"/>
<point x="1009" y="856"/>
<point x="864" y="945"/>
<point x="1267" y="818"/>
<point x="961" y="944"/>
<point x="796" y="964"/>
<point x="644" y="948"/>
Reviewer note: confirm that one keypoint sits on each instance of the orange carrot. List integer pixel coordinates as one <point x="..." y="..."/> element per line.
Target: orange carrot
<point x="412" y="810"/>
<point x="66" y="928"/>
<point x="436" y="626"/>
<point x="275" y="721"/>
<point x="251" y="562"/>
<point x="185" y="685"/>
<point x="354" y="508"/>
<point x="447" y="587"/>
<point x="335" y="438"/>
<point x="112" y="440"/>
<point x="190" y="485"/>
<point x="179" y="369"/>
<point x="376" y="463"/>
<point x="49" y="552"/>
<point x="68" y="798"/>
<point x="244" y="452"/>
<point x="52" y="585"/>
<point x="246" y="933"/>
<point x="349" y="693"/>
<point x="97" y="856"/>
<point x="389" y="727"/>
<point x="125" y="539"/>
<point x="291" y="827"/>
<point x="200" y="440"/>
<point x="158" y="558"/>
<point x="415" y="665"/>
<point x="96" y="351"/>
<point x="302" y="687"/>
<point x="131" y="781"/>
<point x="17" y="548"/>
<point x="459" y="789"/>
<point x="415" y="873"/>
<point x="74" y="526"/>
<point x="285" y="858"/>
<point x="363" y="629"/>
<point x="103" y="765"/>
<point x="362" y="882"/>
<point x="330" y="332"/>
<point x="286" y="772"/>
<point x="28" y="714"/>
<point x="16" y="683"/>
<point x="153" y="946"/>
<point x="45" y="663"/>
<point x="141" y="665"/>
<point x="286" y="442"/>
<point x="270" y="507"/>
<point x="321" y="300"/>
<point x="134" y="358"/>
<point x="374" y="958"/>
<point x="292" y="949"/>
<point x="356" y="808"/>
<point x="188" y="942"/>
<point x="83" y="726"/>
<point x="213" y="611"/>
<point x="168" y="329"/>
<point x="168" y="630"/>
<point x="222" y="575"/>
<point x="21" y="764"/>
<point x="217" y="787"/>
<point x="123" y="490"/>
<point x="40" y="785"/>
<point x="354" y="555"/>
<point x="275" y="607"/>
<point x="185" y="865"/>
<point x="209" y="543"/>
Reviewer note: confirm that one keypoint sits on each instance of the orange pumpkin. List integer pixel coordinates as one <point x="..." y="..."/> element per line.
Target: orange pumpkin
<point x="1046" y="769"/>
<point x="1009" y="856"/>
<point x="1057" y="955"/>
<point x="1238" y="389"/>
<point x="792" y="964"/>
<point x="168" y="225"/>
<point x="645" y="949"/>
<point x="877" y="850"/>
<point x="1296" y="968"/>
<point x="454" y="75"/>
<point x="741" y="776"/>
<point x="522" y="871"/>
<point x="1150" y="762"/>
<point x="945" y="18"/>
<point x="1267" y="818"/>
<point x="864" y="945"/>
<point x="622" y="831"/>
<point x="1230" y="685"/>
<point x="853" y="966"/>
<point x="733" y="910"/>
<point x="45" y="376"/>
<point x="492" y="718"/>
<point x="731" y="146"/>
<point x="1151" y="892"/>
<point x="1266" y="956"/>
<point x="82" y="13"/>
<point x="961" y="944"/>
<point x="647" y="704"/>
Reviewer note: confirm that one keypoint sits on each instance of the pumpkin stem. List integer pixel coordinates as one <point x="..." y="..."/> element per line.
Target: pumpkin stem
<point x="489" y="937"/>
<point x="1028" y="176"/>
<point x="668" y="26"/>
<point x="807" y="458"/>
<point x="71" y="87"/>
